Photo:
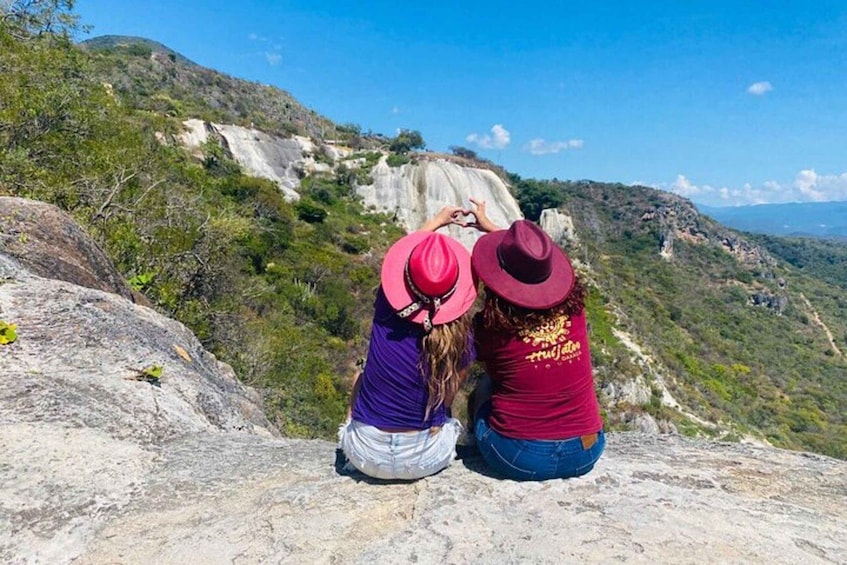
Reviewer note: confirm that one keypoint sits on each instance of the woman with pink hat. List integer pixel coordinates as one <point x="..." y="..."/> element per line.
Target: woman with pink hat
<point x="419" y="354"/>
<point x="535" y="416"/>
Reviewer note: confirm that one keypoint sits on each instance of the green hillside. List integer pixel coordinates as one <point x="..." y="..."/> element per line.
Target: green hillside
<point x="146" y="75"/>
<point x="748" y="334"/>
<point x="768" y="367"/>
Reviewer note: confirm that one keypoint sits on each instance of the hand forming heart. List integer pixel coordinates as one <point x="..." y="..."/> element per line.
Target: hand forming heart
<point x="460" y="218"/>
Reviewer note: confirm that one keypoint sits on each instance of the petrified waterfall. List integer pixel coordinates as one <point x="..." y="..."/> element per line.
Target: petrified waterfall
<point x="259" y="154"/>
<point x="411" y="193"/>
<point x="414" y="192"/>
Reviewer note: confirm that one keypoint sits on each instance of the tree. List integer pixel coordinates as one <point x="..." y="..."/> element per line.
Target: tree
<point x="407" y="140"/>
<point x="33" y="18"/>
<point x="460" y="151"/>
<point x="535" y="196"/>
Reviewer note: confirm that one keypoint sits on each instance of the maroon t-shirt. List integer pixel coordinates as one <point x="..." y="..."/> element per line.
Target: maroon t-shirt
<point x="543" y="388"/>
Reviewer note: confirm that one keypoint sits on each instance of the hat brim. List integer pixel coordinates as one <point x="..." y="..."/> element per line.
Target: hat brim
<point x="394" y="286"/>
<point x="547" y="294"/>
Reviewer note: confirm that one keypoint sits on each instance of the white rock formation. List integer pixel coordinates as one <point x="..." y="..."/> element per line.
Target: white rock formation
<point x="260" y="155"/>
<point x="415" y="192"/>
<point x="559" y="226"/>
<point x="195" y="134"/>
<point x="411" y="193"/>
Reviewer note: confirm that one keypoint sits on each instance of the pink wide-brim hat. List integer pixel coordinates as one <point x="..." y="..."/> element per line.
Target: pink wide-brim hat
<point x="396" y="287"/>
<point x="524" y="266"/>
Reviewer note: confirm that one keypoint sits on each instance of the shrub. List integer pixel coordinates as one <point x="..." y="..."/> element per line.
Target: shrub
<point x="397" y="160"/>
<point x="310" y="213"/>
<point x="460" y="151"/>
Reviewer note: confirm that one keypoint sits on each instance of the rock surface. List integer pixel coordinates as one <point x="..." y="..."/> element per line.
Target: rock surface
<point x="79" y="421"/>
<point x="237" y="498"/>
<point x="49" y="243"/>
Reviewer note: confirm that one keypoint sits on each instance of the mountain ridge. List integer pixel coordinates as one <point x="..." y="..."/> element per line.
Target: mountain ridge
<point x="102" y="42"/>
<point x="154" y="77"/>
<point x="811" y="219"/>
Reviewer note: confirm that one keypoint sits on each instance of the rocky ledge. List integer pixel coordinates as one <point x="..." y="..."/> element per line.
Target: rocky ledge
<point x="238" y="498"/>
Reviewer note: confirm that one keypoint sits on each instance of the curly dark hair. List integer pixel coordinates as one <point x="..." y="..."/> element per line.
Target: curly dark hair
<point x="501" y="315"/>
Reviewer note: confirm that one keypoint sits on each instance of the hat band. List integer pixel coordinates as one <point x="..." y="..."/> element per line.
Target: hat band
<point x="524" y="277"/>
<point x="432" y="304"/>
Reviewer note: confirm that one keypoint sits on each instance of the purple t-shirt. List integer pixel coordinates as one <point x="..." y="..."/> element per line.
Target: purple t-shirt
<point x="393" y="392"/>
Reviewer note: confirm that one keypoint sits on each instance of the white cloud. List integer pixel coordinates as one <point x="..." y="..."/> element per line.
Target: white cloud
<point x="760" y="88"/>
<point x="821" y="188"/>
<point x="395" y="110"/>
<point x="273" y="58"/>
<point x="685" y="187"/>
<point x="499" y="138"/>
<point x="539" y="146"/>
<point x="807" y="186"/>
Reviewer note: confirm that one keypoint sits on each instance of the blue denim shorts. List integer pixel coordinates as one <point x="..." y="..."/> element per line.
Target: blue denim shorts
<point x="403" y="455"/>
<point x="534" y="459"/>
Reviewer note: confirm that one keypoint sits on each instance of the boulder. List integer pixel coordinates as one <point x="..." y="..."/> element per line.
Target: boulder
<point x="83" y="415"/>
<point x="559" y="226"/>
<point x="49" y="243"/>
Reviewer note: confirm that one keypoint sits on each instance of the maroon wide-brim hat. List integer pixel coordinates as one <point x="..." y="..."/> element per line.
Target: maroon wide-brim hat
<point x="442" y="268"/>
<point x="524" y="266"/>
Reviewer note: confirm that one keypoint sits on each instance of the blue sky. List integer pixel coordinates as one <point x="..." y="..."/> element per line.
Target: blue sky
<point x="723" y="102"/>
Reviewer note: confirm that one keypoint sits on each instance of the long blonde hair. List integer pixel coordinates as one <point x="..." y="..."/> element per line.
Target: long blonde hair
<point x="444" y="354"/>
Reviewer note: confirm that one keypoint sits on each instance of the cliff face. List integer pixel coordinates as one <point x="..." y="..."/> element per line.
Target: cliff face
<point x="412" y="192"/>
<point x="261" y="155"/>
<point x="102" y="462"/>
<point x="415" y="192"/>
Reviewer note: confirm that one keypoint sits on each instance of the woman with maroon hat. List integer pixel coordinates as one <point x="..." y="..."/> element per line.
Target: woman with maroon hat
<point x="419" y="354"/>
<point x="536" y="415"/>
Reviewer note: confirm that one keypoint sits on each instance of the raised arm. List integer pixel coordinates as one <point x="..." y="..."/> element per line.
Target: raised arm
<point x="483" y="223"/>
<point x="446" y="216"/>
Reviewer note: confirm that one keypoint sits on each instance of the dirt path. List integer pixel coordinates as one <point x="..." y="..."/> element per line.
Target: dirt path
<point x="819" y="322"/>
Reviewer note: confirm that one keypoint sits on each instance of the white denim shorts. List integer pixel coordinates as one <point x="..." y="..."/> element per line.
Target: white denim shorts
<point x="406" y="455"/>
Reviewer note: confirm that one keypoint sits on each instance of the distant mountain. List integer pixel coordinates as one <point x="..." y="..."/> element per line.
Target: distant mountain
<point x="137" y="44"/>
<point x="815" y="219"/>
<point x="150" y="76"/>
